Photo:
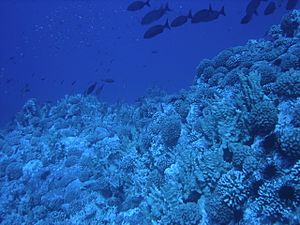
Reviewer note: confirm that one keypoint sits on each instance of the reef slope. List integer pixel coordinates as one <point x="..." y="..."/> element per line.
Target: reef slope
<point x="224" y="151"/>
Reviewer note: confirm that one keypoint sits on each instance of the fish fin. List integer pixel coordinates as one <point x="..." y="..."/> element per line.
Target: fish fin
<point x="167" y="25"/>
<point x="148" y="3"/>
<point x="222" y="11"/>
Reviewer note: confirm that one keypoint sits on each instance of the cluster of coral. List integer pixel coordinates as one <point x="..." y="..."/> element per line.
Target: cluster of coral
<point x="225" y="151"/>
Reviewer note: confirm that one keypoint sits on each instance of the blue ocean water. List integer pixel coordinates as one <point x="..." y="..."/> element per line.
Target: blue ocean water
<point x="46" y="45"/>
<point x="150" y="112"/>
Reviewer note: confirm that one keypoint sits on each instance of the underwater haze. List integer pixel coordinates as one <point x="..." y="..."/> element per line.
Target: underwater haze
<point x="147" y="112"/>
<point x="48" y="45"/>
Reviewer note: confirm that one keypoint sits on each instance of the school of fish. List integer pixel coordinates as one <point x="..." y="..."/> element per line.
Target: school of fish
<point x="203" y="15"/>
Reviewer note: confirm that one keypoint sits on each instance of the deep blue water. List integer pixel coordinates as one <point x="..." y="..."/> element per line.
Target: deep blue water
<point x="221" y="147"/>
<point x="46" y="45"/>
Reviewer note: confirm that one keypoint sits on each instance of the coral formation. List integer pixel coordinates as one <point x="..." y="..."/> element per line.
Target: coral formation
<point x="224" y="151"/>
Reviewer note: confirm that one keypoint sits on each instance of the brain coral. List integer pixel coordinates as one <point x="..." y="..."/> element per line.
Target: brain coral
<point x="288" y="84"/>
<point x="290" y="23"/>
<point x="218" y="212"/>
<point x="266" y="71"/>
<point x="263" y="118"/>
<point x="185" y="214"/>
<point x="170" y="130"/>
<point x="296" y="116"/>
<point x="290" y="142"/>
<point x="232" y="189"/>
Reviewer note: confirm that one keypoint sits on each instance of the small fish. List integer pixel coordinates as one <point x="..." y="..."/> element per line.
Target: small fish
<point x="155" y="14"/>
<point x="90" y="89"/>
<point x="214" y="14"/>
<point x="108" y="80"/>
<point x="155" y="30"/>
<point x="43" y="78"/>
<point x="137" y="5"/>
<point x="252" y="7"/>
<point x="291" y="4"/>
<point x="73" y="83"/>
<point x="207" y="15"/>
<point x="271" y="7"/>
<point x="180" y="20"/>
<point x="246" y="19"/>
<point x="200" y="15"/>
<point x="154" y="51"/>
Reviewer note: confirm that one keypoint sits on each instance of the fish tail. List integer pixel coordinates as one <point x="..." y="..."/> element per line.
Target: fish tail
<point x="167" y="24"/>
<point x="222" y="11"/>
<point x="148" y="3"/>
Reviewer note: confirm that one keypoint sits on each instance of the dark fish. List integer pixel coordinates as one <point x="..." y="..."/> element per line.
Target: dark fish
<point x="61" y="82"/>
<point x="155" y="14"/>
<point x="180" y="20"/>
<point x="137" y="5"/>
<point x="74" y="82"/>
<point x="90" y="89"/>
<point x="271" y="7"/>
<point x="252" y="7"/>
<point x="214" y="14"/>
<point x="250" y="10"/>
<point x="43" y="78"/>
<point x="155" y="30"/>
<point x="246" y="19"/>
<point x="154" y="51"/>
<point x="291" y="4"/>
<point x="108" y="80"/>
<point x="200" y="15"/>
<point x="207" y="15"/>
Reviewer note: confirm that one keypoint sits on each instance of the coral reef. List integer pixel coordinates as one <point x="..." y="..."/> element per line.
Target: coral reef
<point x="224" y="151"/>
